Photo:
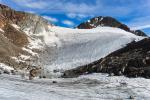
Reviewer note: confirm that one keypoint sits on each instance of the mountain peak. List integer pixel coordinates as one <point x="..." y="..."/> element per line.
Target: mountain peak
<point x="101" y="21"/>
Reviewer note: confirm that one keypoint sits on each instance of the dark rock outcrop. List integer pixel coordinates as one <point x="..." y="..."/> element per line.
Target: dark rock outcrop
<point x="139" y="33"/>
<point x="108" y="21"/>
<point x="132" y="61"/>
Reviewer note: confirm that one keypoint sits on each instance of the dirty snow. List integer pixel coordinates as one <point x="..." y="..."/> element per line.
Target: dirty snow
<point x="88" y="87"/>
<point x="29" y="51"/>
<point x="21" y="58"/>
<point x="5" y="68"/>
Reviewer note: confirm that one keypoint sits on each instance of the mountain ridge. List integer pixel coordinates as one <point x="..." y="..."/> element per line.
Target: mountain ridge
<point x="101" y="21"/>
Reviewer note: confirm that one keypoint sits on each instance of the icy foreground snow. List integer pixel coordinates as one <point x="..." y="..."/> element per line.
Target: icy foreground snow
<point x="89" y="87"/>
<point x="67" y="48"/>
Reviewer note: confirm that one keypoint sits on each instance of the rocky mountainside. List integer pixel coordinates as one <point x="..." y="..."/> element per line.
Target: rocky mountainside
<point x="108" y="21"/>
<point x="132" y="61"/>
<point x="14" y="40"/>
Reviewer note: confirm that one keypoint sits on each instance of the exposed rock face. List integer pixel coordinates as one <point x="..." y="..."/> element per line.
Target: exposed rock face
<point x="10" y="15"/>
<point x="132" y="61"/>
<point x="107" y="21"/>
<point x="20" y="42"/>
<point x="26" y="21"/>
<point x="139" y="33"/>
<point x="17" y="37"/>
<point x="13" y="25"/>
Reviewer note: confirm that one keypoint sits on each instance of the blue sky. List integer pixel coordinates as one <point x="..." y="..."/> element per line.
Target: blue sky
<point x="69" y="13"/>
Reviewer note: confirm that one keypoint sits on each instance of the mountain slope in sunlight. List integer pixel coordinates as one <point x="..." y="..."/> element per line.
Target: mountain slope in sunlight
<point x="39" y="43"/>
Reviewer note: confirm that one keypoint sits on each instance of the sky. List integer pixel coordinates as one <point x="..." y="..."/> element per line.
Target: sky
<point x="70" y="13"/>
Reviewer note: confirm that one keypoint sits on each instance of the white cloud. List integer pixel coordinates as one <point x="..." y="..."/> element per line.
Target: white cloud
<point x="82" y="16"/>
<point x="78" y="16"/>
<point x="141" y="27"/>
<point x="51" y="19"/>
<point x="80" y="8"/>
<point x="39" y="5"/>
<point x="68" y="23"/>
<point x="71" y="15"/>
<point x="32" y="4"/>
<point x="140" y="23"/>
<point x="96" y="7"/>
<point x="56" y="6"/>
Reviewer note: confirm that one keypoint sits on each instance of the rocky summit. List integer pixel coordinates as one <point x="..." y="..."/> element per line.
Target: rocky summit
<point x="108" y="21"/>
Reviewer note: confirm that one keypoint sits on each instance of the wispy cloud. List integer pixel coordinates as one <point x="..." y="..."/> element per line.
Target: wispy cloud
<point x="78" y="16"/>
<point x="38" y="4"/>
<point x="141" y="27"/>
<point x="73" y="15"/>
<point x="95" y="7"/>
<point x="68" y="23"/>
<point x="80" y="7"/>
<point x="140" y="23"/>
<point x="56" y="5"/>
<point x="51" y="19"/>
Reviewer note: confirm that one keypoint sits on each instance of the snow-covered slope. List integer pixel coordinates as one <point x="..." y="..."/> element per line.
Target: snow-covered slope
<point x="89" y="87"/>
<point x="66" y="48"/>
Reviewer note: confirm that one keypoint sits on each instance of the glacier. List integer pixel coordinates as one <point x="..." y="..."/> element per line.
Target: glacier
<point x="66" y="48"/>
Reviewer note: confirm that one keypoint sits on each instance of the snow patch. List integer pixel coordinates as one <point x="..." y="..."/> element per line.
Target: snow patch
<point x="15" y="26"/>
<point x="101" y="19"/>
<point x="1" y="30"/>
<point x="6" y="69"/>
<point x="30" y="51"/>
